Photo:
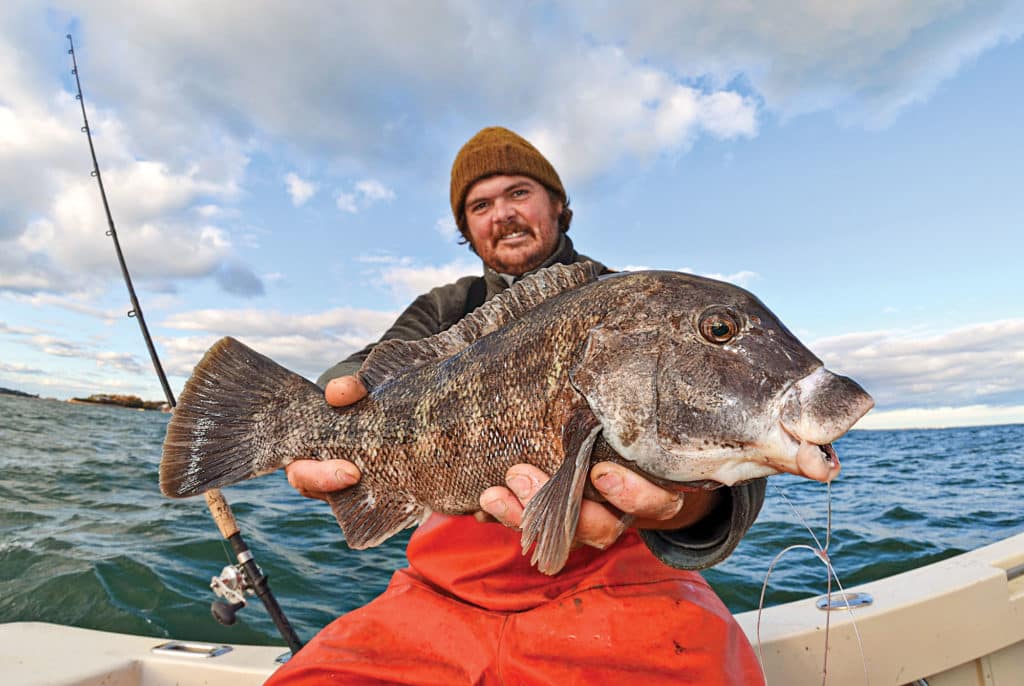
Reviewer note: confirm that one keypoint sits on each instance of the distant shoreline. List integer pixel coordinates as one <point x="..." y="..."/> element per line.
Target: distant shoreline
<point x="20" y="394"/>
<point x="133" y="402"/>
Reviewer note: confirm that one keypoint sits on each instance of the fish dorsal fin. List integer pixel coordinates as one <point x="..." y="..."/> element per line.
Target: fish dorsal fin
<point x="392" y="358"/>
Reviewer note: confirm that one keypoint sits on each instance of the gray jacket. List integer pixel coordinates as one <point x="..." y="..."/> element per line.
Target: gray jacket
<point x="697" y="547"/>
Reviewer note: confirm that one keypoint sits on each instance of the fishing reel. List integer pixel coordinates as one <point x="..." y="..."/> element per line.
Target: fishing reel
<point x="233" y="586"/>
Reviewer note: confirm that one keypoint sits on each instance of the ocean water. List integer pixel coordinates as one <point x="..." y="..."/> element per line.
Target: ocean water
<point x="86" y="538"/>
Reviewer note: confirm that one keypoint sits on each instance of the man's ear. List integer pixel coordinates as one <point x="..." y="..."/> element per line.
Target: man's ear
<point x="564" y="220"/>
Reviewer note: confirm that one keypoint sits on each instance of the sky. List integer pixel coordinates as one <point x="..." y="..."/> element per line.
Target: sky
<point x="278" y="172"/>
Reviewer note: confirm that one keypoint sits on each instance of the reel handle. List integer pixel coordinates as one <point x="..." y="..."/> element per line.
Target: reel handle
<point x="225" y="613"/>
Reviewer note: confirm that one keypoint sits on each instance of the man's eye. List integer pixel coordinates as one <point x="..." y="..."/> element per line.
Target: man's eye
<point x="520" y="193"/>
<point x="478" y="206"/>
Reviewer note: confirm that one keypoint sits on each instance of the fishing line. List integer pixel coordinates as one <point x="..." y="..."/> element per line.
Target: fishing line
<point x="820" y="552"/>
<point x="224" y="547"/>
<point x="255" y="580"/>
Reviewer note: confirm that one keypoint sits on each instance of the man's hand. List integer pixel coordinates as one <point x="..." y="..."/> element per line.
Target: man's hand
<point x="316" y="478"/>
<point x="641" y="504"/>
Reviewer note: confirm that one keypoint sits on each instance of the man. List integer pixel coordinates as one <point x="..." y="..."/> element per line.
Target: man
<point x="470" y="609"/>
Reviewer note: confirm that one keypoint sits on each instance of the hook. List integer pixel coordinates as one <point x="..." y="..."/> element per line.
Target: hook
<point x="131" y="313"/>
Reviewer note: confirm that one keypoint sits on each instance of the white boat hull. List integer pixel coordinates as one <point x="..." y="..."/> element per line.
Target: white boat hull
<point x="959" y="622"/>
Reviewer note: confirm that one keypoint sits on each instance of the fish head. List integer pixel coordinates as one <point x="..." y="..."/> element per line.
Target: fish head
<point x="696" y="380"/>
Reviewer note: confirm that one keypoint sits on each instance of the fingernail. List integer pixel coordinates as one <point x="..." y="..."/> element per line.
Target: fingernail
<point x="609" y="483"/>
<point x="346" y="475"/>
<point x="520" y="485"/>
<point x="496" y="507"/>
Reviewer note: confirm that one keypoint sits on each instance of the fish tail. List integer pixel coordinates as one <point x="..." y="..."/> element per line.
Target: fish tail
<point x="235" y="419"/>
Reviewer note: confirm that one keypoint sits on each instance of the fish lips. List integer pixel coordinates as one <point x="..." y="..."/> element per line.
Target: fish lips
<point x="817" y="410"/>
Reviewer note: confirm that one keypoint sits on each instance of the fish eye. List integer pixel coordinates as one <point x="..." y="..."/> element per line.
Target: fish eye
<point x="718" y="325"/>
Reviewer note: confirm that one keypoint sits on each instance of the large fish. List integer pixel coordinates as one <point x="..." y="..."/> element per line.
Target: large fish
<point x="689" y="380"/>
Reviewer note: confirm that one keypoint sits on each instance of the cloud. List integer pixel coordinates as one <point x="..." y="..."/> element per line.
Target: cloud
<point x="238" y="279"/>
<point x="742" y="278"/>
<point x="591" y="89"/>
<point x="867" y="60"/>
<point x="6" y="328"/>
<point x="305" y="343"/>
<point x="406" y="281"/>
<point x="62" y="347"/>
<point x="366" y="193"/>
<point x="299" y="189"/>
<point x="942" y="417"/>
<point x="306" y="356"/>
<point x="72" y="304"/>
<point x="970" y="365"/>
<point x="52" y="223"/>
<point x="347" y="202"/>
<point x="125" y="362"/>
<point x="628" y="110"/>
<point x="374" y="191"/>
<point x="343" y="321"/>
<point x="209" y="211"/>
<point x="62" y="245"/>
<point x="81" y="383"/>
<point x="383" y="259"/>
<point x="430" y="56"/>
<point x="16" y="369"/>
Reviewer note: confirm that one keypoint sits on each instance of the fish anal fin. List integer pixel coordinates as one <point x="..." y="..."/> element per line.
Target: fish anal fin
<point x="369" y="518"/>
<point x="551" y="516"/>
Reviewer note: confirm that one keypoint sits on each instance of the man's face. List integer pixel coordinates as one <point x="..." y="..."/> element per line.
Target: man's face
<point x="512" y="222"/>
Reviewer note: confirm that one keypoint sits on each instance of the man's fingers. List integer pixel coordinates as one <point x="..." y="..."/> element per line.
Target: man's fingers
<point x="525" y="480"/>
<point x="599" y="526"/>
<point x="633" y="494"/>
<point x="502" y="505"/>
<point x="632" y="500"/>
<point x="506" y="505"/>
<point x="345" y="390"/>
<point x="315" y="479"/>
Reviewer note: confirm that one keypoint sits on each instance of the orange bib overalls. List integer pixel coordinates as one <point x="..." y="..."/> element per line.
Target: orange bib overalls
<point x="470" y="609"/>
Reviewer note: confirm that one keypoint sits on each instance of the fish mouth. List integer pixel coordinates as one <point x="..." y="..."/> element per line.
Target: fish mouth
<point x="814" y="412"/>
<point x="819" y="462"/>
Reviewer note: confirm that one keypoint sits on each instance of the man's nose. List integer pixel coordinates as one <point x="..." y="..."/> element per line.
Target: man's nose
<point x="504" y="211"/>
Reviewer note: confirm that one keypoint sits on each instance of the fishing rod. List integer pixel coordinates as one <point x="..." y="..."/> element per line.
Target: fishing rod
<point x="234" y="581"/>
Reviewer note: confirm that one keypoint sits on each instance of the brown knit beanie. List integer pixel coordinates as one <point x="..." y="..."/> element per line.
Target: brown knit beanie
<point x="496" y="150"/>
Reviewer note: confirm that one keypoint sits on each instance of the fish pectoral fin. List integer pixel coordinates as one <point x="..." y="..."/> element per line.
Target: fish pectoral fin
<point x="551" y="516"/>
<point x="368" y="518"/>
